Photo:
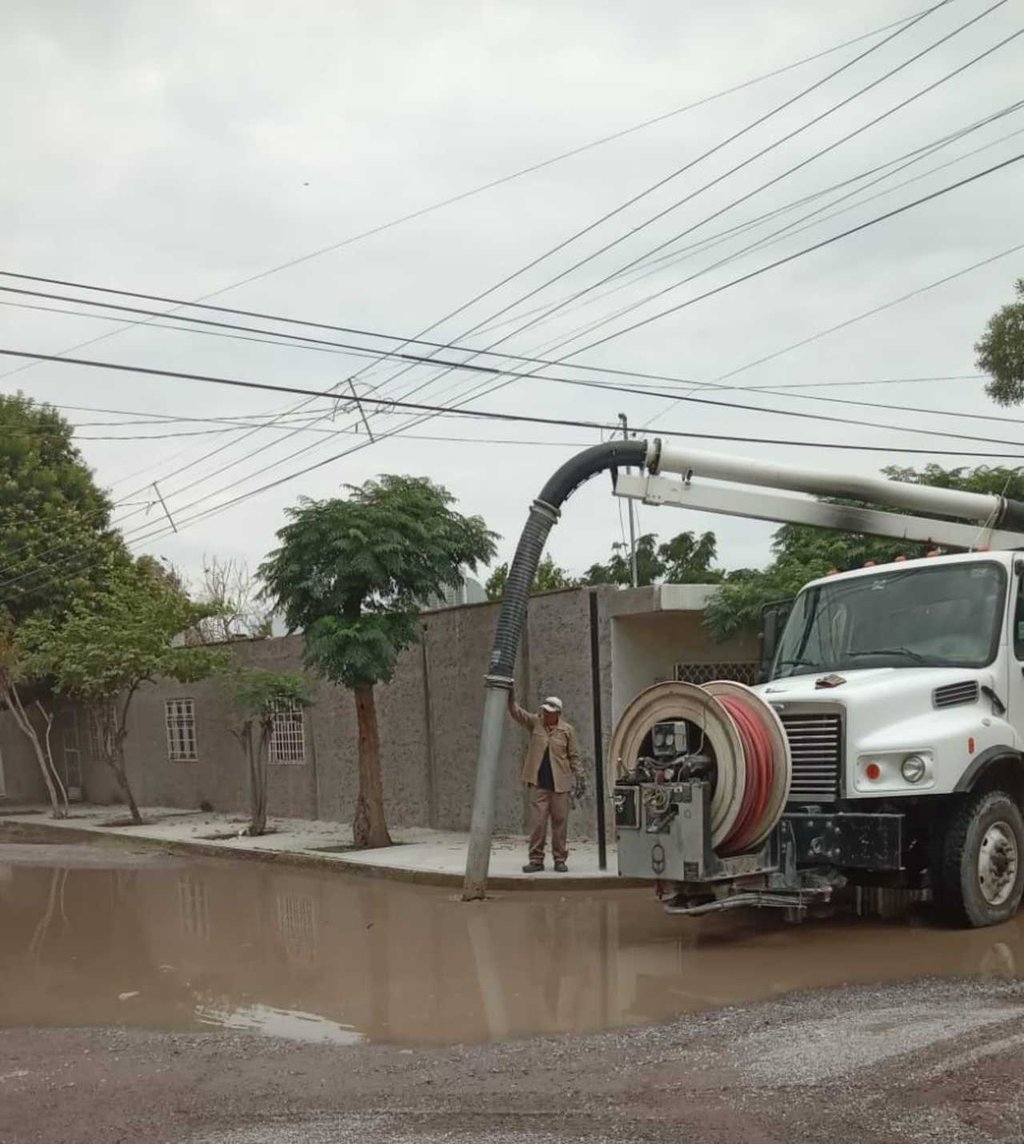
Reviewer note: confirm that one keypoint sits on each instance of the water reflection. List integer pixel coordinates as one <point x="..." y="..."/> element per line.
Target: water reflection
<point x="323" y="957"/>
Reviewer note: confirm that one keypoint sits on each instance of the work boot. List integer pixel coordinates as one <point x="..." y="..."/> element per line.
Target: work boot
<point x="561" y="868"/>
<point x="533" y="867"/>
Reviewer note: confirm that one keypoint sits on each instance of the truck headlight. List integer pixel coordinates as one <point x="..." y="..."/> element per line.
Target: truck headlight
<point x="913" y="768"/>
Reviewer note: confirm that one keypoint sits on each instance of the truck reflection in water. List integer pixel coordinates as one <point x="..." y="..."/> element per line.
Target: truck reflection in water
<point x="316" y="956"/>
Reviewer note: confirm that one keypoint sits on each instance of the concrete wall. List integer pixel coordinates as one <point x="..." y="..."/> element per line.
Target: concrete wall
<point x="20" y="780"/>
<point x="646" y="648"/>
<point x="429" y="715"/>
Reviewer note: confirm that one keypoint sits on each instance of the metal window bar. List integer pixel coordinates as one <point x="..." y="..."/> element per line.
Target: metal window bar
<point x="707" y="672"/>
<point x="287" y="736"/>
<point x="181" y="730"/>
<point x="92" y="734"/>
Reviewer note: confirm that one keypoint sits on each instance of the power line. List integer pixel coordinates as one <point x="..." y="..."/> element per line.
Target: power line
<point x="423" y="407"/>
<point x="378" y="354"/>
<point x="811" y="249"/>
<point x="812" y="219"/>
<point x="643" y="194"/>
<point x="674" y="175"/>
<point x="503" y="179"/>
<point x="771" y="182"/>
<point x="458" y="197"/>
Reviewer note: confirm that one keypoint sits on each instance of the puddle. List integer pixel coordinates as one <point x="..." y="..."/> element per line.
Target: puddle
<point x="317" y="956"/>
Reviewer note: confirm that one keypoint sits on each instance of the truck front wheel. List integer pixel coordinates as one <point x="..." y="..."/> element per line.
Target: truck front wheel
<point x="980" y="874"/>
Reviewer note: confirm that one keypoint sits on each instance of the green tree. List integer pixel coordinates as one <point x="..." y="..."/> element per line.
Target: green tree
<point x="259" y="697"/>
<point x="56" y="547"/>
<point x="106" y="647"/>
<point x="353" y="574"/>
<point x="688" y="558"/>
<point x="550" y="578"/>
<point x="685" y="559"/>
<point x="801" y="553"/>
<point x="25" y="696"/>
<point x="56" y="543"/>
<point x="1001" y="351"/>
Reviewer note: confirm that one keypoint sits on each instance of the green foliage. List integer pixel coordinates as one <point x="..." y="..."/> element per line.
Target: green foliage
<point x="110" y="643"/>
<point x="685" y="559"/>
<point x="257" y="694"/>
<point x="56" y="542"/>
<point x="801" y="553"/>
<point x="353" y="574"/>
<point x="1001" y="351"/>
<point x="549" y="578"/>
<point x="688" y="559"/>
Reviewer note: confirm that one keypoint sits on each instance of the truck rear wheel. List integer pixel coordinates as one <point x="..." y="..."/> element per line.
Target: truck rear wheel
<point x="980" y="875"/>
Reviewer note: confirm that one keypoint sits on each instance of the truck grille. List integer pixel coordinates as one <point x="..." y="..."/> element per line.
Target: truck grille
<point x="816" y="746"/>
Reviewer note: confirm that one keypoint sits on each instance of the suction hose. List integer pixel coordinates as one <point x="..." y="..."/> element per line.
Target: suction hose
<point x="753" y="764"/>
<point x="544" y="513"/>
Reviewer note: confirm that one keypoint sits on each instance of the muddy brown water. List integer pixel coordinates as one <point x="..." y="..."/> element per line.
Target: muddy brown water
<point x="95" y="936"/>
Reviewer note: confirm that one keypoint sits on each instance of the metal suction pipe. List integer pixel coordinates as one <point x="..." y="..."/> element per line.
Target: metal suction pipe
<point x="544" y="513"/>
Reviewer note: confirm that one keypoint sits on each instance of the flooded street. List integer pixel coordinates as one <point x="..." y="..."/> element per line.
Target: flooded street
<point x="92" y="935"/>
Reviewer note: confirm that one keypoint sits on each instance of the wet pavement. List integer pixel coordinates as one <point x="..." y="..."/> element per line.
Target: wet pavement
<point x="97" y="935"/>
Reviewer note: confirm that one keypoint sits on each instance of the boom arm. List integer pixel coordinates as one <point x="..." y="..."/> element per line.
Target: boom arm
<point x="728" y="491"/>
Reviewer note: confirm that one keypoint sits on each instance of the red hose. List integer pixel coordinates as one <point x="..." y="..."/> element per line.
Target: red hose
<point x="759" y="760"/>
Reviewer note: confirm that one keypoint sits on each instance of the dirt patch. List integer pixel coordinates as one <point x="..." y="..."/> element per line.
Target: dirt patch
<point x="686" y="1080"/>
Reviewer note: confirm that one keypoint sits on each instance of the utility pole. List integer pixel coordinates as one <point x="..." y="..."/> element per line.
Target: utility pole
<point x="634" y="576"/>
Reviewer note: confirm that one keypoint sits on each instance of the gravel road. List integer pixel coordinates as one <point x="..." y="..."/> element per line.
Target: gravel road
<point x="933" y="1061"/>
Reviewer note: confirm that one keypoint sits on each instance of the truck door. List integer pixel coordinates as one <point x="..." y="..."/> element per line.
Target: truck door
<point x="1015" y="656"/>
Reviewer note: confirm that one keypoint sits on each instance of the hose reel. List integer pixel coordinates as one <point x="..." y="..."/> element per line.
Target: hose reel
<point x="753" y="765"/>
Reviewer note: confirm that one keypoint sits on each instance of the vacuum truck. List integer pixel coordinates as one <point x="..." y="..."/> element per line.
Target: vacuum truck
<point x="885" y="745"/>
<point x="883" y="748"/>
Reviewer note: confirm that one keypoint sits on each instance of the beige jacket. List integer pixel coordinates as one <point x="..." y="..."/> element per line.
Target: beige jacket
<point x="560" y="740"/>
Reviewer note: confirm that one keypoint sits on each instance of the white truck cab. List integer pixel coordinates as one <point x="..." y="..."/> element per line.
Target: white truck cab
<point x="899" y="691"/>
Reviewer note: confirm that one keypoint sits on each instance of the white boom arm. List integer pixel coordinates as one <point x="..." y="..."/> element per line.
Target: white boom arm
<point x="723" y="492"/>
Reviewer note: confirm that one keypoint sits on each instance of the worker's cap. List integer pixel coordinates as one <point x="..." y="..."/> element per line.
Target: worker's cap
<point x="552" y="703"/>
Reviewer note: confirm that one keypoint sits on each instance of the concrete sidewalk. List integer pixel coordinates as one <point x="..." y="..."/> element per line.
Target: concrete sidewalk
<point x="429" y="856"/>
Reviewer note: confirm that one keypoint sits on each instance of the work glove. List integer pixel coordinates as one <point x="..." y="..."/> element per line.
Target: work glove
<point x="579" y="790"/>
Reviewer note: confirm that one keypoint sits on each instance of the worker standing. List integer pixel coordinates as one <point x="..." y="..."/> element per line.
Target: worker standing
<point x="550" y="770"/>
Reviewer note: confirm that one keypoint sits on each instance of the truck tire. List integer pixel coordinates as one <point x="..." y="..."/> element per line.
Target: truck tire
<point x="980" y="860"/>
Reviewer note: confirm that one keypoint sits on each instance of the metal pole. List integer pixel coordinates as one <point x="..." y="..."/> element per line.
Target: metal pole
<point x="634" y="575"/>
<point x="595" y="689"/>
<point x="478" y="857"/>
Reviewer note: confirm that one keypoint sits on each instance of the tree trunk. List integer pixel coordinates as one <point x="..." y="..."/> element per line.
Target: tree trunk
<point x="58" y="782"/>
<point x="21" y="717"/>
<point x="117" y="765"/>
<point x="256" y="751"/>
<point x="369" y="828"/>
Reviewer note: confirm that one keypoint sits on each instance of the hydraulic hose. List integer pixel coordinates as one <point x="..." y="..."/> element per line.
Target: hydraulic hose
<point x="747" y="740"/>
<point x="544" y="513"/>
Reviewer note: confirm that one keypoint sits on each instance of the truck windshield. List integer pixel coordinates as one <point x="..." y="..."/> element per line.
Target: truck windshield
<point x="944" y="615"/>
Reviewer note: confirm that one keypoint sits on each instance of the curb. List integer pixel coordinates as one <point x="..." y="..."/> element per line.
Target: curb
<point x="307" y="860"/>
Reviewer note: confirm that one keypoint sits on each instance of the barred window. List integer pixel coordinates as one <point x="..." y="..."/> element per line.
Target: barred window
<point x="181" y="730"/>
<point x="287" y="736"/>
<point x="707" y="672"/>
<point x="97" y="727"/>
<point x="92" y="730"/>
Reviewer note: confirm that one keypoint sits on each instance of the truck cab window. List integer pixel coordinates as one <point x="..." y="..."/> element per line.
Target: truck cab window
<point x="911" y="616"/>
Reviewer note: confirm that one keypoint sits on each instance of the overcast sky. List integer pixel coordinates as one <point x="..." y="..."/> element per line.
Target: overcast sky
<point x="178" y="150"/>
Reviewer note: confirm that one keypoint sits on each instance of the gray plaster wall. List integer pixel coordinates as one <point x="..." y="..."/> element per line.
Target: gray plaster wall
<point x="20" y="781"/>
<point x="429" y="719"/>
